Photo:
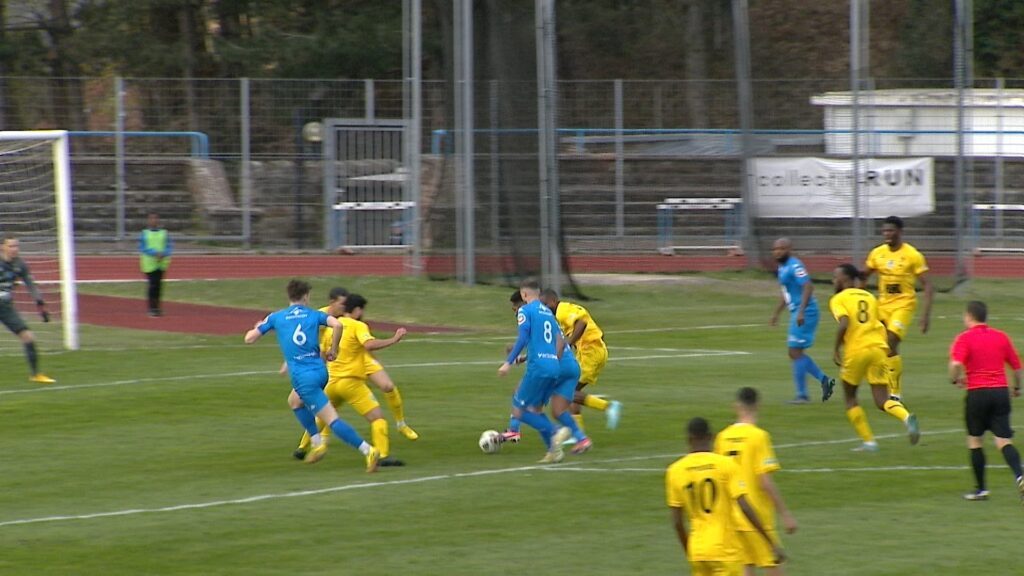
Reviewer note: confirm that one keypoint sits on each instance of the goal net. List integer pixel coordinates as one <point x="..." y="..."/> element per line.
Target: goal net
<point x="35" y="209"/>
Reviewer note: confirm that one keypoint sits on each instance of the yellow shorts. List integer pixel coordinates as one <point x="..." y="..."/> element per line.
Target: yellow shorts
<point x="896" y="320"/>
<point x="592" y="357"/>
<point x="371" y="365"/>
<point x="867" y="362"/>
<point x="755" y="549"/>
<point x="715" y="568"/>
<point x="352" y="391"/>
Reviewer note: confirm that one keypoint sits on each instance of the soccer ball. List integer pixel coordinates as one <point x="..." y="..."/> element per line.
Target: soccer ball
<point x="490" y="442"/>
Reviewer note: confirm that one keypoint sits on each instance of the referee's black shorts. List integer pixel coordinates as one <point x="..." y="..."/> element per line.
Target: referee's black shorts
<point x="988" y="409"/>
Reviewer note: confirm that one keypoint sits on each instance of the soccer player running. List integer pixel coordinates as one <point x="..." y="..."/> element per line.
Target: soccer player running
<point x="861" y="350"/>
<point x="706" y="487"/>
<point x="560" y="397"/>
<point x="13" y="269"/>
<point x="751" y="449"/>
<point x="798" y="296"/>
<point x="297" y="327"/>
<point x="977" y="363"/>
<point x="348" y="373"/>
<point x="586" y="339"/>
<point x="899" y="265"/>
<point x="538" y="333"/>
<point x="374" y="370"/>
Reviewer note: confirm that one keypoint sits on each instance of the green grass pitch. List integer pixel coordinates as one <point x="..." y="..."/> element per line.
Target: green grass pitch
<point x="167" y="454"/>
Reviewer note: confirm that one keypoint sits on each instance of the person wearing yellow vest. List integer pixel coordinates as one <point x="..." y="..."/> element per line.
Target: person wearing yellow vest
<point x="155" y="247"/>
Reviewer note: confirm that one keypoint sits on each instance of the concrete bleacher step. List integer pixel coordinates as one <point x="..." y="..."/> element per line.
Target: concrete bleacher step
<point x="131" y="197"/>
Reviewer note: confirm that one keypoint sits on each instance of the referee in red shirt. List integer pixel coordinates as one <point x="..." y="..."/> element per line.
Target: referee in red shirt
<point x="977" y="362"/>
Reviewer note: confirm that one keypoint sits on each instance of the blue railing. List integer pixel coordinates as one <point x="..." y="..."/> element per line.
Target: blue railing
<point x="200" y="142"/>
<point x="441" y="143"/>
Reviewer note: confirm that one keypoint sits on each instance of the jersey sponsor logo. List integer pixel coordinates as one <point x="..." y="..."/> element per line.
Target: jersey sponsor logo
<point x="893" y="289"/>
<point x="295" y="313"/>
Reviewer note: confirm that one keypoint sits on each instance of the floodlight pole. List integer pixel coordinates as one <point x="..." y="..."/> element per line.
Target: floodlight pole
<point x="859" y="63"/>
<point x="963" y="55"/>
<point x="547" y="156"/>
<point x="413" y="65"/>
<point x="464" y="148"/>
<point x="741" y="34"/>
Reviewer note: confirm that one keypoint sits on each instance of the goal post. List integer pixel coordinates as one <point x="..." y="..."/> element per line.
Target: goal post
<point x="35" y="193"/>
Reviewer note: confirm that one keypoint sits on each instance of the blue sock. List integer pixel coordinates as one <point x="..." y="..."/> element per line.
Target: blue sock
<point x="799" y="377"/>
<point x="513" y="424"/>
<point x="347" y="433"/>
<point x="566" y="419"/>
<point x="812" y="368"/>
<point x="306" y="419"/>
<point x="541" y="423"/>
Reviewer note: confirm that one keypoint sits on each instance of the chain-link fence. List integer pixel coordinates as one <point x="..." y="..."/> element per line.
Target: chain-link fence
<point x="645" y="165"/>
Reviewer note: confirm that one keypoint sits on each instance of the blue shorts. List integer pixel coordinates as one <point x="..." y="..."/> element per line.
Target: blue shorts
<point x="309" y="385"/>
<point x="533" y="391"/>
<point x="802" y="337"/>
<point x="565" y="388"/>
<point x="568" y="377"/>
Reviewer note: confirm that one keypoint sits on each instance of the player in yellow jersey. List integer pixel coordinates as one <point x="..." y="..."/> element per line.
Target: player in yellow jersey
<point x="861" y="349"/>
<point x="376" y="373"/>
<point x="899" y="266"/>
<point x="587" y="341"/>
<point x="348" y="374"/>
<point x="751" y="449"/>
<point x="707" y="487"/>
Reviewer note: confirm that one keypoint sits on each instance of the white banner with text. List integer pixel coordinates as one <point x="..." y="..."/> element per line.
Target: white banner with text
<point x="823" y="188"/>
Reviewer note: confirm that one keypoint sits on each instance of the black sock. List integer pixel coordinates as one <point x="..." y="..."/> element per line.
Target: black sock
<point x="978" y="464"/>
<point x="33" y="361"/>
<point x="1013" y="459"/>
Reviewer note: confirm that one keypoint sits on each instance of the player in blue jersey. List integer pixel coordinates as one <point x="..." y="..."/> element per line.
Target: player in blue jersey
<point x="560" y="397"/>
<point x="539" y="335"/>
<point x="298" y="328"/>
<point x="798" y="296"/>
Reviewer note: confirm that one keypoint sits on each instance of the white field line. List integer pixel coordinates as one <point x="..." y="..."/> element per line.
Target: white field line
<point x="433" y="339"/>
<point x="420" y="480"/>
<point x="495" y="362"/>
<point x="789" y="470"/>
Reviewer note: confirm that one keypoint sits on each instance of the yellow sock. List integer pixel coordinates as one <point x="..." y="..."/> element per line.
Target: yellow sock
<point x="579" y="420"/>
<point x="896" y="409"/>
<point x="394" y="400"/>
<point x="895" y="366"/>
<point x="379" y="436"/>
<point x="591" y="401"/>
<point x="305" y="441"/>
<point x="859" y="419"/>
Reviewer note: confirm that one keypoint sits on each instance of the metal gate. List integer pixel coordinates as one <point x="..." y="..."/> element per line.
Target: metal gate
<point x="366" y="201"/>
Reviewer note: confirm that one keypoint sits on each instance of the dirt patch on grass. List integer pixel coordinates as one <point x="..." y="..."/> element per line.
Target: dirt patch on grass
<point x="186" y="318"/>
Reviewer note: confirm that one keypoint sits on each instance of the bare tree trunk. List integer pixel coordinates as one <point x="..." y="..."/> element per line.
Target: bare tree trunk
<point x="188" y="62"/>
<point x="70" y="100"/>
<point x="696" y="64"/>
<point x="3" y="66"/>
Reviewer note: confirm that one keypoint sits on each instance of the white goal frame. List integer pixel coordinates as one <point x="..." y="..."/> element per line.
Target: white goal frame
<point x="65" y="225"/>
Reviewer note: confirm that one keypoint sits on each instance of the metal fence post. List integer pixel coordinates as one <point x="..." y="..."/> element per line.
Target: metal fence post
<point x="246" y="167"/>
<point x="370" y="102"/>
<point x="493" y="140"/>
<point x="1000" y="194"/>
<point x="620" y="194"/>
<point x="119" y="168"/>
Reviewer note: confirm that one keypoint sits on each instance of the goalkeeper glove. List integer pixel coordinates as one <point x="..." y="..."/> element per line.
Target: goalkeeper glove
<point x="42" y="311"/>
